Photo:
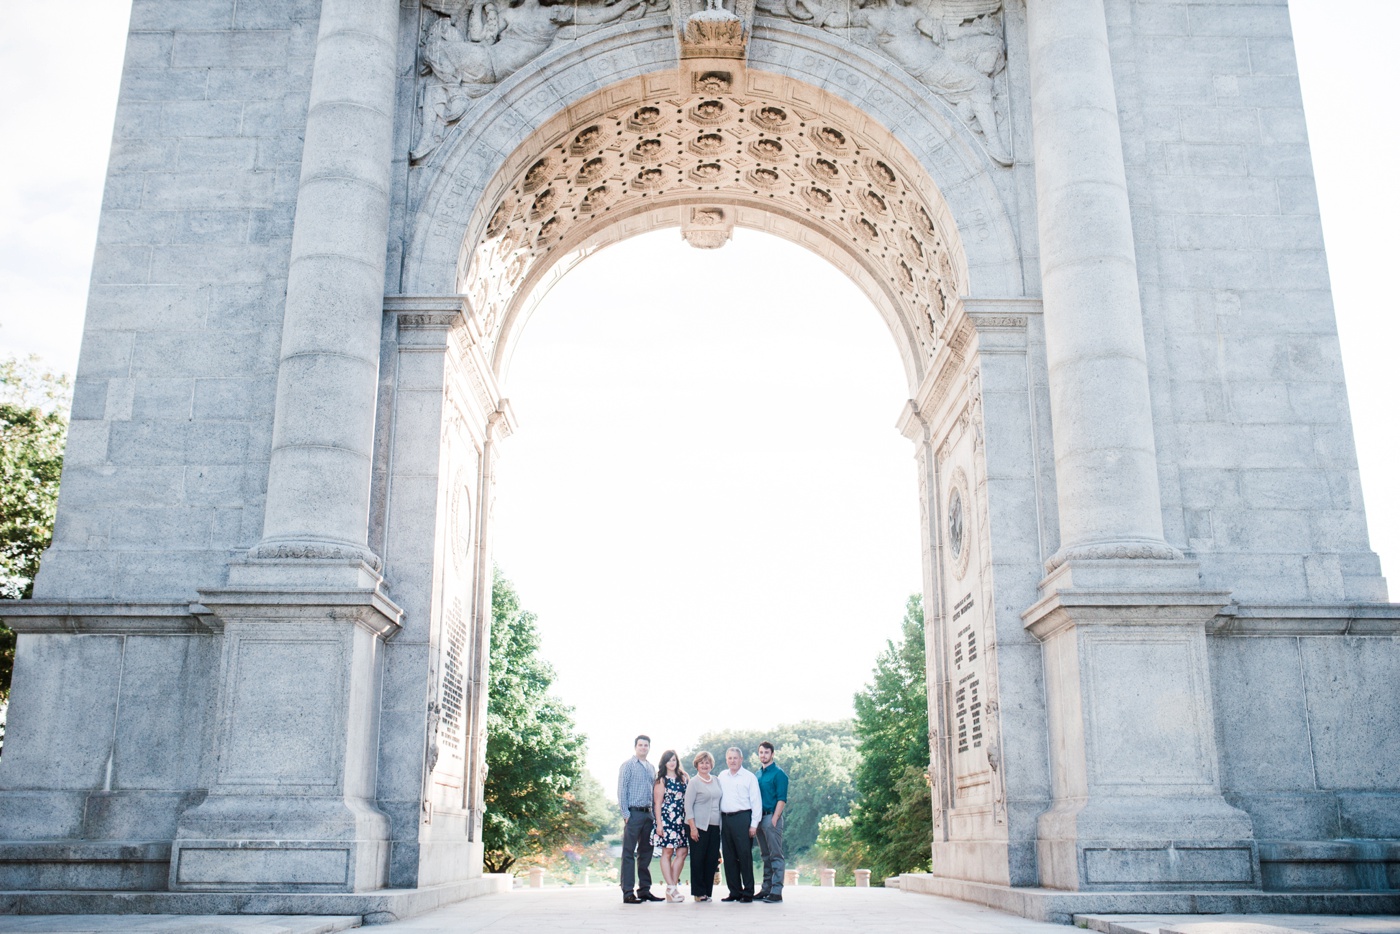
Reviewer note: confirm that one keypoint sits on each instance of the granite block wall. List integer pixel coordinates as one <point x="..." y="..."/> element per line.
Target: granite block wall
<point x="1258" y="464"/>
<point x="172" y="416"/>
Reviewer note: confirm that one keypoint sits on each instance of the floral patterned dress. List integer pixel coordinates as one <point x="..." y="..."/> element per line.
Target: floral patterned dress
<point x="670" y="829"/>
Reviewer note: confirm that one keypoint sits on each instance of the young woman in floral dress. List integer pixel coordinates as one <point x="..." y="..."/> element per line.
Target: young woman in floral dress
<point x="670" y="834"/>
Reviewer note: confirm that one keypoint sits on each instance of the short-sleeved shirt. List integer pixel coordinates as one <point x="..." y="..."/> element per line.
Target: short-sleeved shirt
<point x="773" y="785"/>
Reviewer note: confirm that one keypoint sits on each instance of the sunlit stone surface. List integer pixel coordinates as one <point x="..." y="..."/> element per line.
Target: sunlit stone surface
<point x="1161" y="657"/>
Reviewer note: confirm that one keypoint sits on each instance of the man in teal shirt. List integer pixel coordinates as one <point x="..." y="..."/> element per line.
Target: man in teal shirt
<point x="773" y="786"/>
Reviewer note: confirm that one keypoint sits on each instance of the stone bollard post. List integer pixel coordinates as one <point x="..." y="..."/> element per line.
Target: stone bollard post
<point x="862" y="878"/>
<point x="588" y="877"/>
<point x="828" y="877"/>
<point x="537" y="878"/>
<point x="789" y="877"/>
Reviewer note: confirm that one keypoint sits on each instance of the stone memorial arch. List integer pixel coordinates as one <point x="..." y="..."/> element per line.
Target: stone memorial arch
<point x="1162" y="662"/>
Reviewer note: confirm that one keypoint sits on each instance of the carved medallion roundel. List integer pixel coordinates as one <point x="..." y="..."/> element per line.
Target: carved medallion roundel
<point x="460" y="517"/>
<point x="956" y="520"/>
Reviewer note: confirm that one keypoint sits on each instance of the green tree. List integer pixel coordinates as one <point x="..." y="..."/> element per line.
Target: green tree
<point x="821" y="784"/>
<point x="894" y="820"/>
<point x="33" y="428"/>
<point x="585" y="848"/>
<point x="535" y="792"/>
<point x="837" y="848"/>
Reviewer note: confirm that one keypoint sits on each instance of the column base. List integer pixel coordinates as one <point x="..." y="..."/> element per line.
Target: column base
<point x="1195" y="843"/>
<point x="1137" y="803"/>
<point x="262" y="843"/>
<point x="1134" y="550"/>
<point x="295" y="737"/>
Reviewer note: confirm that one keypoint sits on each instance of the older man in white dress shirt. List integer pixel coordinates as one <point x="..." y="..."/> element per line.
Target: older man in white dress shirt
<point x="741" y="808"/>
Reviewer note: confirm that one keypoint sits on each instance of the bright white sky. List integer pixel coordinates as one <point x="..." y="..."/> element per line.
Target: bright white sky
<point x="695" y="479"/>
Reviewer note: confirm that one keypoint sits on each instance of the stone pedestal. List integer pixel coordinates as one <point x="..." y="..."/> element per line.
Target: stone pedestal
<point x="862" y="878"/>
<point x="1134" y="768"/>
<point x="828" y="877"/>
<point x="291" y="785"/>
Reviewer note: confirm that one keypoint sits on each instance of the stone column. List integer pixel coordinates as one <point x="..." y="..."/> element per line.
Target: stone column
<point x="1135" y="775"/>
<point x="292" y="768"/>
<point x="1105" y="454"/>
<point x="323" y="430"/>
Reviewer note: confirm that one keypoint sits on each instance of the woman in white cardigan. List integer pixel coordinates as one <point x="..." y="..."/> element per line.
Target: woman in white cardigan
<point x="702" y="796"/>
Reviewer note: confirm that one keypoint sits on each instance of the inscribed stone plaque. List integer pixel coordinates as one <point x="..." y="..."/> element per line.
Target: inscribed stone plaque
<point x="451" y="736"/>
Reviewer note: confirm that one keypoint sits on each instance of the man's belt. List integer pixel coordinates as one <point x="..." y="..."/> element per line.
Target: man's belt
<point x="767" y="811"/>
<point x="635" y="808"/>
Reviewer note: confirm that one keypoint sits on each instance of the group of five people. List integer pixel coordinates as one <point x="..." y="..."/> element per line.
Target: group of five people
<point x="663" y="806"/>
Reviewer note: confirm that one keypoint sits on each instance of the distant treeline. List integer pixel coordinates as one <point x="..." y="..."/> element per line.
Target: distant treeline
<point x="859" y="794"/>
<point x="820" y="758"/>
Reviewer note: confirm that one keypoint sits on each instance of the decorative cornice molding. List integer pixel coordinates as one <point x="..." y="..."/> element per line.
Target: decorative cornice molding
<point x="425" y="304"/>
<point x="103" y="617"/>
<point x="1066" y="609"/>
<point x="367" y="607"/>
<point x="1302" y="619"/>
<point x="427" y="312"/>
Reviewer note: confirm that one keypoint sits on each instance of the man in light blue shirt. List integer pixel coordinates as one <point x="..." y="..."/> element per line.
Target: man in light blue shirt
<point x="634" y="790"/>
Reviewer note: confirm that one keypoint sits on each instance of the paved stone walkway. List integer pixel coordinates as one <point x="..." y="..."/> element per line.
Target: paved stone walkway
<point x="806" y="910"/>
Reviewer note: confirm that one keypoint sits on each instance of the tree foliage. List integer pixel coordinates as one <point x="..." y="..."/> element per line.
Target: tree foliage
<point x="894" y="820"/>
<point x="535" y="793"/>
<point x="33" y="428"/>
<point x="837" y="848"/>
<point x="820" y="758"/>
<point x="586" y="849"/>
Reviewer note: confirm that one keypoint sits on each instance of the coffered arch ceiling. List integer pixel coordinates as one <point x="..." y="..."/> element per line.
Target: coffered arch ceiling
<point x="776" y="155"/>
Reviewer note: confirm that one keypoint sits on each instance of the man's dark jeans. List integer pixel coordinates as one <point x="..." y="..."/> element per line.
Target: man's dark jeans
<point x="636" y="851"/>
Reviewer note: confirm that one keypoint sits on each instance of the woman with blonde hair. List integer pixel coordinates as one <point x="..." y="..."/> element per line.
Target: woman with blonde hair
<point x="668" y="806"/>
<point x="702" y="816"/>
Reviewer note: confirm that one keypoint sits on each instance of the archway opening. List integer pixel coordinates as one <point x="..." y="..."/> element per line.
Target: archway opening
<point x="775" y="156"/>
<point x="707" y="453"/>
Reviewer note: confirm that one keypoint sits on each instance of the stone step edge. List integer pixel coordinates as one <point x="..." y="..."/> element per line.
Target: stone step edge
<point x="1062" y="907"/>
<point x="378" y="907"/>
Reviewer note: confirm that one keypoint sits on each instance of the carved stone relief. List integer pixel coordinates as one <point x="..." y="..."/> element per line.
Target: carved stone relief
<point x="468" y="46"/>
<point x="707" y="228"/>
<point x="957" y="48"/>
<point x="708" y="154"/>
<point x="713" y="32"/>
<point x="713" y="29"/>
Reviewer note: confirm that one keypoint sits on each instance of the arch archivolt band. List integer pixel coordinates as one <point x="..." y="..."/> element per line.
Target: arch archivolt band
<point x="792" y="65"/>
<point x="709" y="161"/>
